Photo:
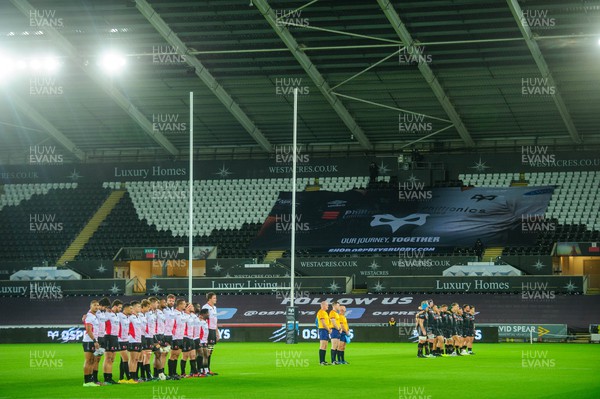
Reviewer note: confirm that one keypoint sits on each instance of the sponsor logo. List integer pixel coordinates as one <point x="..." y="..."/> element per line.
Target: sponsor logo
<point x="73" y="334"/>
<point x="417" y="219"/>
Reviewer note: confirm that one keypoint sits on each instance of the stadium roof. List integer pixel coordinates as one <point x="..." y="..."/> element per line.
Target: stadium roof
<point x="474" y="74"/>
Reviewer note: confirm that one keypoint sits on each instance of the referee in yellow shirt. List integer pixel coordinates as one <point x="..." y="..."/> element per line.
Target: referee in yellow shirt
<point x="344" y="336"/>
<point x="336" y="331"/>
<point x="324" y="330"/>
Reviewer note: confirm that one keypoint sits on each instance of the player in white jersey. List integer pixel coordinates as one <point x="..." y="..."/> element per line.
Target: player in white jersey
<point x="202" y="355"/>
<point x="160" y="358"/>
<point x="111" y="339"/>
<point x="158" y="328"/>
<point x="147" y="340"/>
<point x="136" y="325"/>
<point x="123" y="341"/>
<point x="103" y="304"/>
<point x="169" y="320"/>
<point x="90" y="344"/>
<point x="189" y="350"/>
<point x="178" y="330"/>
<point x="213" y="329"/>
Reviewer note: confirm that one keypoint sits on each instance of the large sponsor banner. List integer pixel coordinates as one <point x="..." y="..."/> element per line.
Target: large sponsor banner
<point x="533" y="287"/>
<point x="409" y="264"/>
<point x="530" y="264"/>
<point x="384" y="221"/>
<point x="57" y="289"/>
<point x="577" y="311"/>
<point x="273" y="334"/>
<point x="279" y="166"/>
<point x="240" y="267"/>
<point x="532" y="331"/>
<point x="269" y="285"/>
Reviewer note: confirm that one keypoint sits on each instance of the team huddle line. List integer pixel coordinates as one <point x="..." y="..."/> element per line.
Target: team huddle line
<point x="141" y="329"/>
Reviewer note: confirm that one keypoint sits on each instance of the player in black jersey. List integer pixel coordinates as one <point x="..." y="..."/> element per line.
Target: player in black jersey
<point x="421" y="326"/>
<point x="447" y="327"/>
<point x="438" y="340"/>
<point x="457" y="330"/>
<point x="430" y="327"/>
<point x="472" y="326"/>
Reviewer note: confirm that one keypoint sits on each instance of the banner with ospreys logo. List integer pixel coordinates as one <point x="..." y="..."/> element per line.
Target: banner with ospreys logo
<point x="402" y="221"/>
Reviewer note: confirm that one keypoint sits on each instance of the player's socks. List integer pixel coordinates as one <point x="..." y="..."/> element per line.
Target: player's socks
<point x="333" y="355"/>
<point x="340" y="356"/>
<point x="199" y="362"/>
<point x="183" y="362"/>
<point x="194" y="367"/>
<point x="172" y="364"/>
<point x="121" y="370"/>
<point x="420" y="349"/>
<point x="426" y="347"/>
<point x="322" y="355"/>
<point x="142" y="370"/>
<point x="431" y="347"/>
<point x="107" y="377"/>
<point x="148" y="371"/>
<point x="95" y="376"/>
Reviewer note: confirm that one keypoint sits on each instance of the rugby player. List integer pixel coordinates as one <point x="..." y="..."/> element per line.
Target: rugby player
<point x="421" y="325"/>
<point x="104" y="303"/>
<point x="134" y="345"/>
<point x="90" y="344"/>
<point x="203" y="337"/>
<point x="324" y="326"/>
<point x="457" y="330"/>
<point x="148" y="345"/>
<point x="178" y="330"/>
<point x="189" y="351"/>
<point x="159" y="337"/>
<point x="213" y="331"/>
<point x="111" y="339"/>
<point x="438" y="340"/>
<point x="447" y="328"/>
<point x="167" y="309"/>
<point x="123" y="341"/>
<point x="336" y="331"/>
<point x="344" y="337"/>
<point x="430" y="328"/>
<point x="472" y="327"/>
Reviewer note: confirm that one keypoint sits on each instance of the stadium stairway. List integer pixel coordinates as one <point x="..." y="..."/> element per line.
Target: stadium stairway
<point x="272" y="256"/>
<point x="492" y="253"/>
<point x="90" y="228"/>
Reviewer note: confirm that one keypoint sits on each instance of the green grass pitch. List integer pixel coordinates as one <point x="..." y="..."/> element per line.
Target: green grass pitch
<point x="376" y="370"/>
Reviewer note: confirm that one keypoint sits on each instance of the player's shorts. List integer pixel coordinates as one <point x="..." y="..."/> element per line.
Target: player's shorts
<point x="168" y="340"/>
<point x="123" y="345"/>
<point x="447" y="333"/>
<point x="196" y="343"/>
<point x="343" y="337"/>
<point x="102" y="342"/>
<point x="147" y="343"/>
<point x="437" y="332"/>
<point x="177" y="344"/>
<point x="335" y="334"/>
<point x="134" y="347"/>
<point x="188" y="344"/>
<point x="429" y="331"/>
<point x="323" y="334"/>
<point x="468" y="333"/>
<point x="159" y="339"/>
<point x="89" y="347"/>
<point x="111" y="343"/>
<point x="212" y="337"/>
